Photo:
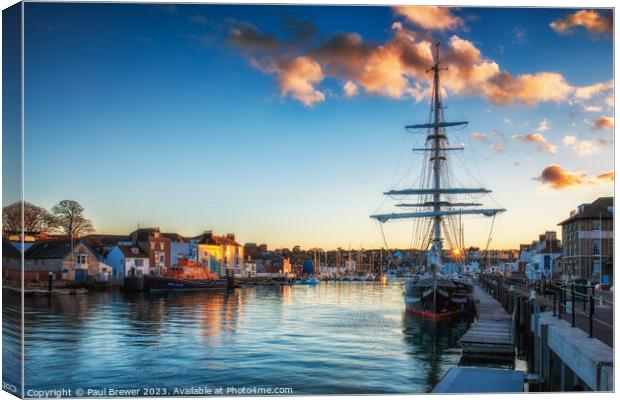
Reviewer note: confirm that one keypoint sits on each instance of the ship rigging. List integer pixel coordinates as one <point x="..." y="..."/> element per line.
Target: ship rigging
<point x="439" y="206"/>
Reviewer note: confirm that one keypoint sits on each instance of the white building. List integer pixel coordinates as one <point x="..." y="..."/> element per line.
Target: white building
<point x="127" y="261"/>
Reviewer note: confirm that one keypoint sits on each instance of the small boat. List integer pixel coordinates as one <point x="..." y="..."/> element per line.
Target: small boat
<point x="311" y="281"/>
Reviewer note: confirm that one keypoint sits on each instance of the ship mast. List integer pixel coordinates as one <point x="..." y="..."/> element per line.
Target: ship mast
<point x="438" y="147"/>
<point x="436" y="261"/>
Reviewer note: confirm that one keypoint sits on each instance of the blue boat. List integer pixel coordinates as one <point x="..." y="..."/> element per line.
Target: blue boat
<point x="311" y="281"/>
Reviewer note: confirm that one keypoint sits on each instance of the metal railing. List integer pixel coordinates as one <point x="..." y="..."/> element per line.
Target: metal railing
<point x="559" y="293"/>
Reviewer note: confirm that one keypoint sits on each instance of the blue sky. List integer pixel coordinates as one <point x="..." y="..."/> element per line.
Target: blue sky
<point x="154" y="115"/>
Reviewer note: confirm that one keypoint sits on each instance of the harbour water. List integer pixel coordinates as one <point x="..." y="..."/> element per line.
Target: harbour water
<point x="341" y="338"/>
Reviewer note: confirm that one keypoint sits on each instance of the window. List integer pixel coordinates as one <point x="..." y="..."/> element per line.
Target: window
<point x="596" y="225"/>
<point x="595" y="249"/>
<point x="80" y="259"/>
<point x="139" y="262"/>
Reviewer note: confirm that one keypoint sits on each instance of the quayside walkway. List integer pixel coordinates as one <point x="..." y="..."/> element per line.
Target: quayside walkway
<point x="493" y="331"/>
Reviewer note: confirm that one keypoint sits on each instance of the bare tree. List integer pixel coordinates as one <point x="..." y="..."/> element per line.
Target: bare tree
<point x="71" y="220"/>
<point x="36" y="219"/>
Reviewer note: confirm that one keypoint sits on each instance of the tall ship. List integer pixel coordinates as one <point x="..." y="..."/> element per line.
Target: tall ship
<point x="436" y="213"/>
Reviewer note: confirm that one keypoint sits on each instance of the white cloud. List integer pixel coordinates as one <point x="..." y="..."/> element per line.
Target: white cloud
<point x="350" y="89"/>
<point x="583" y="148"/>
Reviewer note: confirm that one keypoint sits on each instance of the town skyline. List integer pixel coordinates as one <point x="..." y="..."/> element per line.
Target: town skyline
<point x="284" y="125"/>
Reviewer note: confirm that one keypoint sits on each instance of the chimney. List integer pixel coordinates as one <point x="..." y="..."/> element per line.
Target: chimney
<point x="230" y="236"/>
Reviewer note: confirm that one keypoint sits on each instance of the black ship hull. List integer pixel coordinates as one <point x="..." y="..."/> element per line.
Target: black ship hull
<point x="447" y="299"/>
<point x="162" y="283"/>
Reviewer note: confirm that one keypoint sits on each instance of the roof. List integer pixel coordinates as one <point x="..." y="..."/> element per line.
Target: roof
<point x="175" y="237"/>
<point x="106" y="240"/>
<point x="102" y="243"/>
<point x="8" y="250"/>
<point x="55" y="248"/>
<point x="128" y="252"/>
<point x="598" y="209"/>
<point x="209" y="238"/>
<point x="553" y="248"/>
<point x="144" y="234"/>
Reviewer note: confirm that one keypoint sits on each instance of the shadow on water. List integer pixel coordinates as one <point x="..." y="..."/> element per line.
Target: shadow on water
<point x="434" y="343"/>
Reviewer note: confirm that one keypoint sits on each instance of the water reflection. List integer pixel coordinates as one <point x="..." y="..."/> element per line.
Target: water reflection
<point x="342" y="338"/>
<point x="11" y="341"/>
<point x="434" y="344"/>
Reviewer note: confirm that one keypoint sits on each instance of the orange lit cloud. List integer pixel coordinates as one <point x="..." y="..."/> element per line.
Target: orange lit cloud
<point x="606" y="176"/>
<point x="430" y="17"/>
<point x="297" y="79"/>
<point x="537" y="140"/>
<point x="592" y="109"/>
<point x="587" y="92"/>
<point x="479" y="137"/>
<point x="556" y="177"/>
<point x="470" y="73"/>
<point x="603" y="123"/>
<point x="495" y="139"/>
<point x="591" y="20"/>
<point x="397" y="68"/>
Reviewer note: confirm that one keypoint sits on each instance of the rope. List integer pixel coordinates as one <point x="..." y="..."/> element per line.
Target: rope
<point x="486" y="250"/>
<point x="383" y="235"/>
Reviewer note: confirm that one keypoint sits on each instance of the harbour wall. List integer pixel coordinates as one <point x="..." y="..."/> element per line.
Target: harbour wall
<point x="562" y="357"/>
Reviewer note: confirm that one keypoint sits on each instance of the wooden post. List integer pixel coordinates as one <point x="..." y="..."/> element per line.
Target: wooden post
<point x="50" y="279"/>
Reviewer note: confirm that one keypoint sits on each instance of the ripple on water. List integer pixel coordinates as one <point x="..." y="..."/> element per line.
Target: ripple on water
<point x="331" y="338"/>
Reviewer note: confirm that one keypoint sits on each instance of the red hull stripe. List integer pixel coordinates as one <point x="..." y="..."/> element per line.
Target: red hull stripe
<point x="432" y="315"/>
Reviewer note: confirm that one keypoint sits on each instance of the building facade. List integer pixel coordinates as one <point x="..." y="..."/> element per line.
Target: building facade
<point x="154" y="244"/>
<point x="127" y="261"/>
<point x="588" y="236"/>
<point x="222" y="254"/>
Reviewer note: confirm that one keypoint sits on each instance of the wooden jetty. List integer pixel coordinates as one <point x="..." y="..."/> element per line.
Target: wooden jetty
<point x="493" y="331"/>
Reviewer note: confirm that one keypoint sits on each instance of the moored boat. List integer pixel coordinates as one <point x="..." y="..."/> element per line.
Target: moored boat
<point x="157" y="283"/>
<point x="185" y="276"/>
<point x="313" y="280"/>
